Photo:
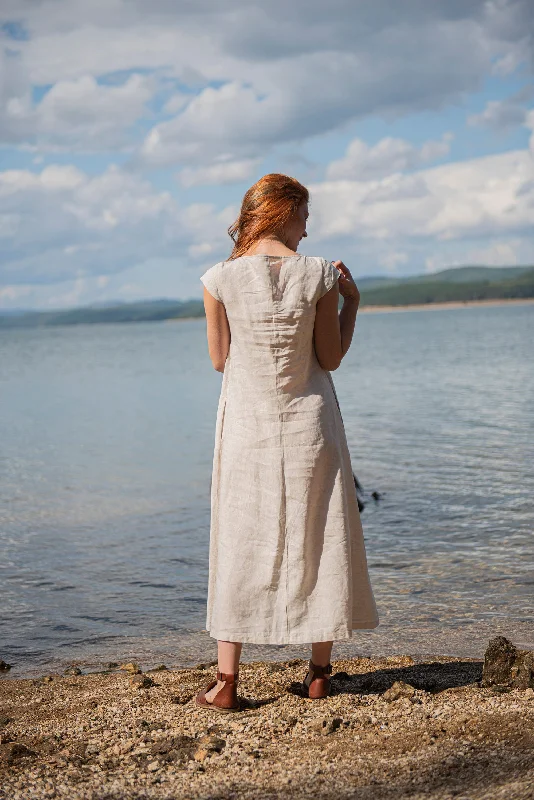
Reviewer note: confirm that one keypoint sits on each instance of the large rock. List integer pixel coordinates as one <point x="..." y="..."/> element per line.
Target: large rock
<point x="505" y="665"/>
<point x="398" y="690"/>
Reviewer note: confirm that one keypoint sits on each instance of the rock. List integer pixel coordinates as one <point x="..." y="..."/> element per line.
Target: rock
<point x="142" y="681"/>
<point x="48" y="746"/>
<point x="274" y="667"/>
<point x="13" y="751"/>
<point x="112" y="665"/>
<point x="529" y="694"/>
<point x="153" y="766"/>
<point x="523" y="670"/>
<point x="4" y="666"/>
<point x="498" y="661"/>
<point x="72" y="671"/>
<point x="4" y="720"/>
<point x="327" y="725"/>
<point x="208" y="744"/>
<point x="160" y="668"/>
<point x="178" y="749"/>
<point x="131" y="667"/>
<point x="179" y="701"/>
<point x="398" y="690"/>
<point x="172" y="743"/>
<point x="212" y="742"/>
<point x="505" y="665"/>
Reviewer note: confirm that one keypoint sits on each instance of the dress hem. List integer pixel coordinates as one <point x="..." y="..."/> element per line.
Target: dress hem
<point x="260" y="637"/>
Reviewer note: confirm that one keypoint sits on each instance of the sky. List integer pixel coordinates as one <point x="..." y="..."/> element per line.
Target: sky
<point x="131" y="129"/>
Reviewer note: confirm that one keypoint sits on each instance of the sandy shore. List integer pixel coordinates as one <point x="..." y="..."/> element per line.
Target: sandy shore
<point x="119" y="735"/>
<point x="436" y="306"/>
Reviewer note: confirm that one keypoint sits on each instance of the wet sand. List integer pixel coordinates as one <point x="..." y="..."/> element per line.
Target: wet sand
<point x="116" y="734"/>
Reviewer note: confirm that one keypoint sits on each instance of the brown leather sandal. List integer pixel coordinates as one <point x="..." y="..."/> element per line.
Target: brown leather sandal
<point x="226" y="700"/>
<point x="319" y="684"/>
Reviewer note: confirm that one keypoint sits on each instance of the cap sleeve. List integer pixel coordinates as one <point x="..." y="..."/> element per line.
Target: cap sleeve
<point x="330" y="276"/>
<point x="210" y="279"/>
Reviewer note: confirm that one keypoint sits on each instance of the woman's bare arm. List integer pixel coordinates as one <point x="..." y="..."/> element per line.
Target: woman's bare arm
<point x="334" y="329"/>
<point x="218" y="331"/>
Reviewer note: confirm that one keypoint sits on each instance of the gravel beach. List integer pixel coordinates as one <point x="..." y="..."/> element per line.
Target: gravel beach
<point x="392" y="728"/>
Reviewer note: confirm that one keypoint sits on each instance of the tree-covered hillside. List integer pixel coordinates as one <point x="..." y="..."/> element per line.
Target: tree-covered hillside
<point x="434" y="290"/>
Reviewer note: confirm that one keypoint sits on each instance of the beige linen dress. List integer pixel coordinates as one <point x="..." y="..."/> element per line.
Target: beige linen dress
<point x="287" y="560"/>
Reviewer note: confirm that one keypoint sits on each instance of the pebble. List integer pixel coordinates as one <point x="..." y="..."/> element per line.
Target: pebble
<point x="131" y="667"/>
<point x="141" y="681"/>
<point x="398" y="690"/>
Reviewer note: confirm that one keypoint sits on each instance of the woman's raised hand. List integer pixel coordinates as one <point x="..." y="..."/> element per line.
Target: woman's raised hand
<point x="347" y="287"/>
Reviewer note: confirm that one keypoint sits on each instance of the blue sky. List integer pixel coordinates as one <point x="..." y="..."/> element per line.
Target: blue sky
<point x="130" y="131"/>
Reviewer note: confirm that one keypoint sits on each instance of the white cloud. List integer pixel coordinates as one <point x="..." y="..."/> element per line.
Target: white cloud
<point x="389" y="155"/>
<point x="78" y="114"/>
<point x="224" y="172"/>
<point x="181" y="85"/>
<point x="503" y="252"/>
<point x="85" y="227"/>
<point x="500" y="115"/>
<point x="391" y="260"/>
<point x="481" y="197"/>
<point x="54" y="177"/>
<point x="529" y="123"/>
<point x="90" y="226"/>
<point x="259" y="84"/>
<point x="176" y="103"/>
<point x="498" y="254"/>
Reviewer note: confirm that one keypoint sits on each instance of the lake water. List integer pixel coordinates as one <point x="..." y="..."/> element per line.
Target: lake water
<point x="106" y="445"/>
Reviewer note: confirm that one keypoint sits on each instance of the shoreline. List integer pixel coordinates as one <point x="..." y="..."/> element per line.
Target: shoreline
<point x="451" y="304"/>
<point x="393" y="727"/>
<point x="415" y="306"/>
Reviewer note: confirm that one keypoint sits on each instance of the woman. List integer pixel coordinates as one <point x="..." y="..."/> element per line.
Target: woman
<point x="287" y="559"/>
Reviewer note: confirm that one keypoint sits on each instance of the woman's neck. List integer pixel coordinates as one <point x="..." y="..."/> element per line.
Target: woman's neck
<point x="270" y="247"/>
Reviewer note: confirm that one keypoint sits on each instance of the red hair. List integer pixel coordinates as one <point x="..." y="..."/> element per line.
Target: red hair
<point x="267" y="206"/>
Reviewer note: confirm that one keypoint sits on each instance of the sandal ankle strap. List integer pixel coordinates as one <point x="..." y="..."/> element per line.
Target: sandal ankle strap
<point x="229" y="677"/>
<point x="319" y="672"/>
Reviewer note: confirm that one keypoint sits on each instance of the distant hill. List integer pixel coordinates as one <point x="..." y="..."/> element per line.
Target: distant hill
<point x="140" y="311"/>
<point x="464" y="284"/>
<point x="467" y="274"/>
<point x="455" y="284"/>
